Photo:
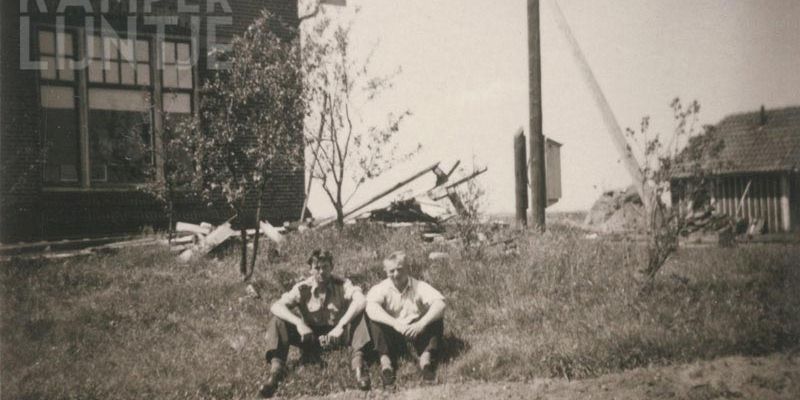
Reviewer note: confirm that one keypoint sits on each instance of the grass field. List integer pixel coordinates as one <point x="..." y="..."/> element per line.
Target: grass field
<point x="138" y="324"/>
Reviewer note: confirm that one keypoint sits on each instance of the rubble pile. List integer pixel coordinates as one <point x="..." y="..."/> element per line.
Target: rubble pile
<point x="194" y="240"/>
<point x="616" y="211"/>
<point x="408" y="210"/>
<point x="706" y="219"/>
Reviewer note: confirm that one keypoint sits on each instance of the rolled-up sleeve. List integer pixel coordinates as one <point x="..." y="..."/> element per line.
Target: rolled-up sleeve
<point x="294" y="296"/>
<point x="376" y="295"/>
<point x="350" y="289"/>
<point x="427" y="294"/>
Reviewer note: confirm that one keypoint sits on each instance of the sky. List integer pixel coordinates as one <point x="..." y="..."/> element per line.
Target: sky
<point x="465" y="79"/>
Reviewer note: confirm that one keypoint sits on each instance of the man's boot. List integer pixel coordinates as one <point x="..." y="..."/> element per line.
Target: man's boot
<point x="362" y="378"/>
<point x="387" y="371"/>
<point x="427" y="368"/>
<point x="360" y="370"/>
<point x="270" y="385"/>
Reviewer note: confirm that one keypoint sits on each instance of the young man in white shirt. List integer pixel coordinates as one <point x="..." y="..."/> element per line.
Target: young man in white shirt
<point x="403" y="309"/>
<point x="323" y="310"/>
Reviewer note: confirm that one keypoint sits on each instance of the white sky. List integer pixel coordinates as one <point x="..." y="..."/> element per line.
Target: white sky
<point x="465" y="78"/>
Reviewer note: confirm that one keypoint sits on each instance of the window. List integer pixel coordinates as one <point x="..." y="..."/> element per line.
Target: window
<point x="56" y="50"/>
<point x="120" y="138"/>
<point x="177" y="70"/>
<point x="120" y="106"/>
<point x="59" y="122"/>
<point x="177" y="77"/>
<point x="118" y="61"/>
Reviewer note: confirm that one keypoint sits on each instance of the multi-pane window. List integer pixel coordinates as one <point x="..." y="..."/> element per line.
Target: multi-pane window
<point x="59" y="122"/>
<point x="120" y="105"/>
<point x="120" y="109"/>
<point x="177" y="70"/>
<point x="118" y="61"/>
<point x="177" y="76"/>
<point x="57" y="52"/>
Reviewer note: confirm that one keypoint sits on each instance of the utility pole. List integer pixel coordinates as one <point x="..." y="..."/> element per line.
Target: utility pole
<point x="537" y="173"/>
<point x="521" y="179"/>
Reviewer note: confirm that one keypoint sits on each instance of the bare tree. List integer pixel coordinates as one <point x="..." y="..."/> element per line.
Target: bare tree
<point x="685" y="152"/>
<point x="346" y="148"/>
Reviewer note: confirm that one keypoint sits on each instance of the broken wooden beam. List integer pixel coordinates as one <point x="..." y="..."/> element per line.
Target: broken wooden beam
<point x="383" y="194"/>
<point x="459" y="182"/>
<point x="187" y="227"/>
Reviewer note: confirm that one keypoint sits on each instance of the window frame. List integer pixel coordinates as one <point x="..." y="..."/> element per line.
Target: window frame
<point x="43" y="82"/>
<point x="81" y="83"/>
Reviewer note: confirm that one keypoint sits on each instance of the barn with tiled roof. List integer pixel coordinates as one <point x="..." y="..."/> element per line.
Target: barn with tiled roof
<point x="755" y="171"/>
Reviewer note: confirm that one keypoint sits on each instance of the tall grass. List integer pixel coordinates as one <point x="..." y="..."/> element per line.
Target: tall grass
<point x="138" y="324"/>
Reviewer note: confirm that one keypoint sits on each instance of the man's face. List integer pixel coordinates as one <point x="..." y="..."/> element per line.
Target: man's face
<point x="321" y="270"/>
<point x="398" y="274"/>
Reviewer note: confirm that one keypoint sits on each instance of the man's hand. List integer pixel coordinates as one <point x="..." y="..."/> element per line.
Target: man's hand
<point x="400" y="327"/>
<point x="336" y="333"/>
<point x="413" y="330"/>
<point x="306" y="334"/>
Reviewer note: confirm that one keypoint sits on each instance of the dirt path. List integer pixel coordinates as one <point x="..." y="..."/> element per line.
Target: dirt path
<point x="772" y="377"/>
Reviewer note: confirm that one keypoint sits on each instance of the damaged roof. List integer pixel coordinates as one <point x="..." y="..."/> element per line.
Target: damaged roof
<point x="759" y="141"/>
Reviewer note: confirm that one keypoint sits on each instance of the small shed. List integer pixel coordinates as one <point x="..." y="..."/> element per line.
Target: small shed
<point x="755" y="174"/>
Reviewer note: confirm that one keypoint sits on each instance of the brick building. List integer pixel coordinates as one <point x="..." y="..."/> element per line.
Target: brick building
<point x="75" y="142"/>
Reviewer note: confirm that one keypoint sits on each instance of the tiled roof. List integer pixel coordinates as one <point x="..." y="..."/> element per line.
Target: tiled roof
<point x="750" y="146"/>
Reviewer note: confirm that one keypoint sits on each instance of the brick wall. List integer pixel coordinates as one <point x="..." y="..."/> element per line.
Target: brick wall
<point x="27" y="212"/>
<point x="20" y="181"/>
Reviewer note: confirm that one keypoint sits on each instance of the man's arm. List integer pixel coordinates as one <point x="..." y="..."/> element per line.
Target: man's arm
<point x="357" y="305"/>
<point x="435" y="302"/>
<point x="435" y="313"/>
<point x="376" y="313"/>
<point x="281" y="310"/>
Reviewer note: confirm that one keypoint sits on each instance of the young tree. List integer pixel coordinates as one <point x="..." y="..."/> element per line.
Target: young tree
<point x="176" y="169"/>
<point x="250" y="124"/>
<point x="346" y="148"/>
<point x="688" y="148"/>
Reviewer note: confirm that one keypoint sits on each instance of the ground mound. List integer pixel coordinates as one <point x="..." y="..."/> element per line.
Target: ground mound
<point x="616" y="211"/>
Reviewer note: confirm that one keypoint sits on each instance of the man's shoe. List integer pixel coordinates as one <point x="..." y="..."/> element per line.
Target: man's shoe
<point x="362" y="379"/>
<point x="428" y="373"/>
<point x="270" y="385"/>
<point x="387" y="376"/>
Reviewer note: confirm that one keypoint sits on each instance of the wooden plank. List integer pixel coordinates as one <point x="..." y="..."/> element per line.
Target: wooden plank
<point x="786" y="221"/>
<point x="271" y="232"/>
<point x="187" y="227"/>
<point x="757" y="196"/>
<point x="776" y="203"/>
<point x="216" y="237"/>
<point x="726" y="194"/>
<point x="778" y="213"/>
<point x="738" y="211"/>
<point x="771" y="209"/>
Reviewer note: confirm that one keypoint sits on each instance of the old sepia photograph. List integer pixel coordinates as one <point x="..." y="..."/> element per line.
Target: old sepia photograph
<point x="400" y="199"/>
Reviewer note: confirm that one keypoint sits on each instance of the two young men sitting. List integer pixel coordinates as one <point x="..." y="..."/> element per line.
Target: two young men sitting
<point x="326" y="310"/>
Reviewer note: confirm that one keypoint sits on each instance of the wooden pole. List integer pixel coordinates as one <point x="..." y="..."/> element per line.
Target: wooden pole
<point x="612" y="126"/>
<point x="521" y="179"/>
<point x="537" y="175"/>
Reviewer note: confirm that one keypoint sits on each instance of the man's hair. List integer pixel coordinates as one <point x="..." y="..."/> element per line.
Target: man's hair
<point x="396" y="258"/>
<point x="319" y="256"/>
